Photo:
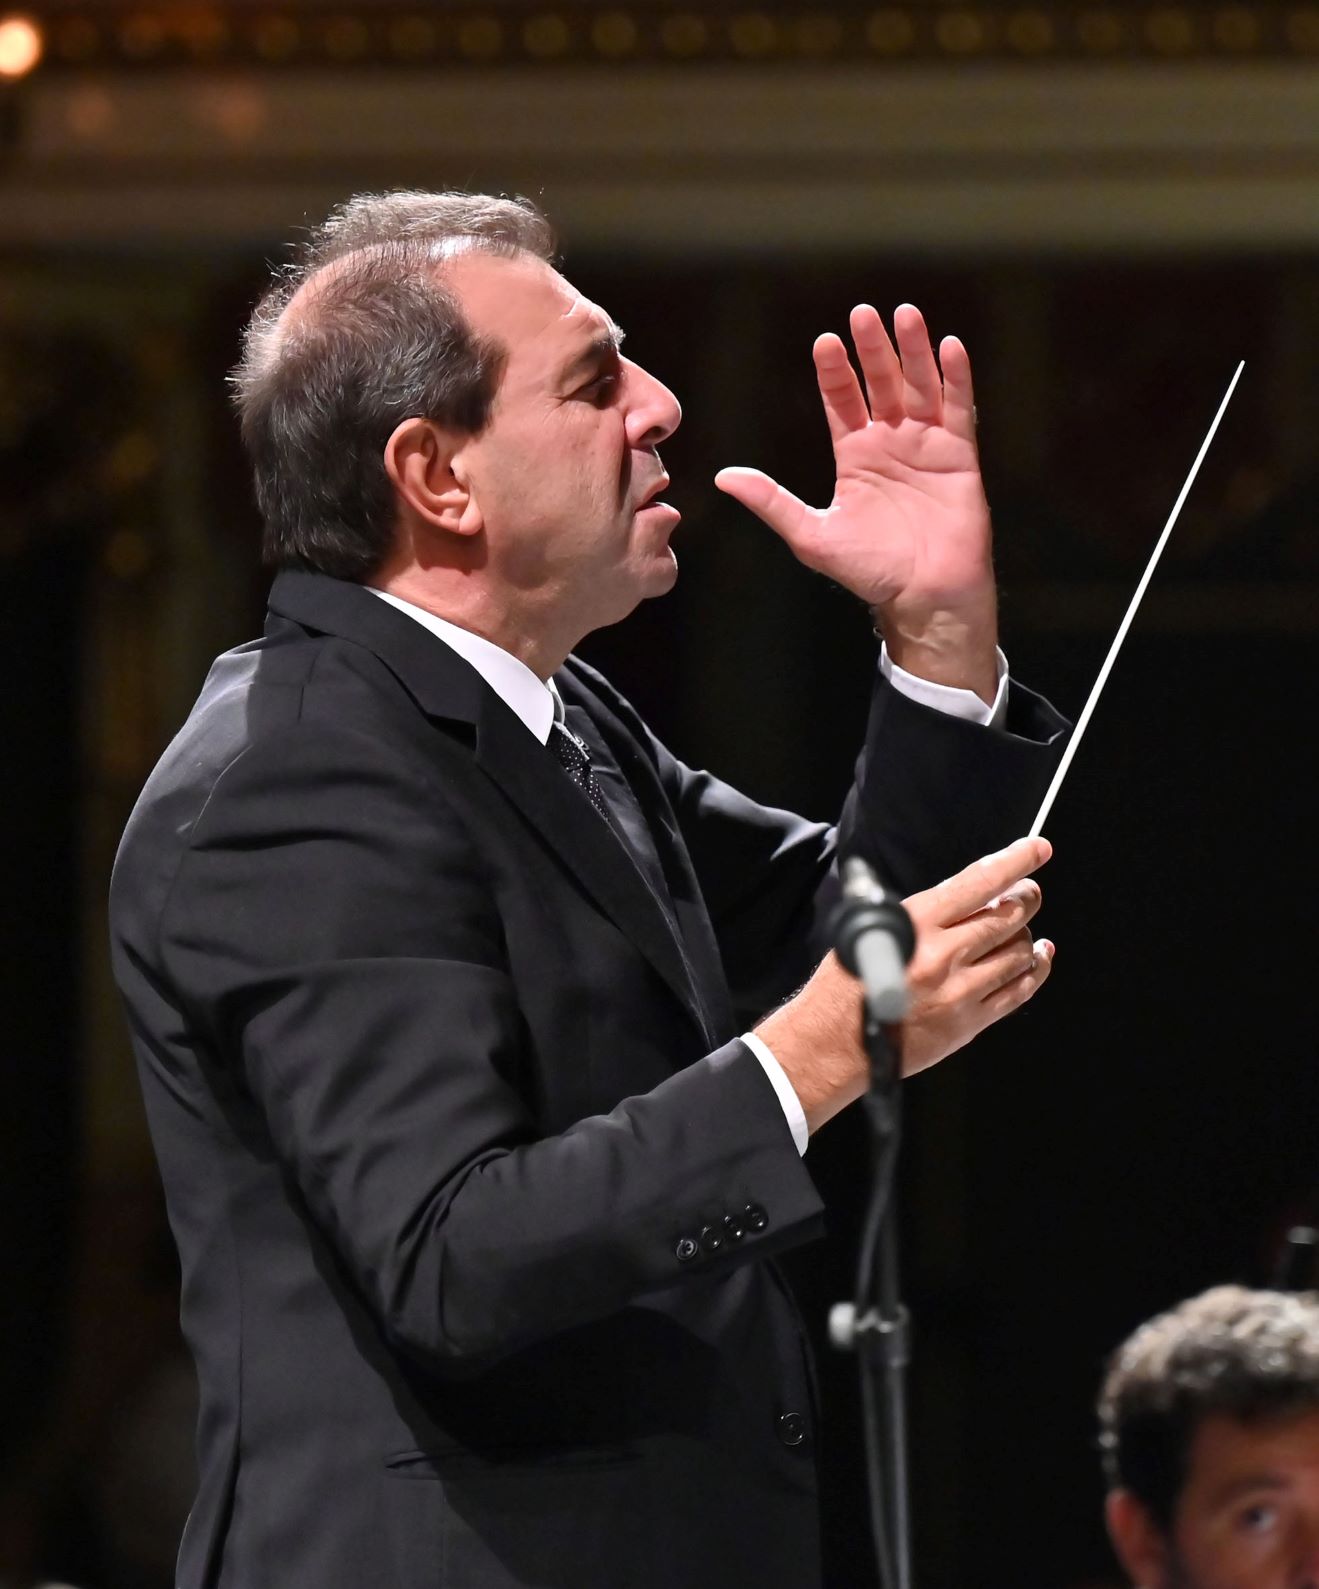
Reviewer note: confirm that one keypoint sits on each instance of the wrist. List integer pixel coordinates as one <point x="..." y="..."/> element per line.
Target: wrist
<point x="815" y="1039"/>
<point x="955" y="646"/>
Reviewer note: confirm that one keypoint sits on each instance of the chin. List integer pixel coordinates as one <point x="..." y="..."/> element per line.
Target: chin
<point x="664" y="574"/>
<point x="656" y="580"/>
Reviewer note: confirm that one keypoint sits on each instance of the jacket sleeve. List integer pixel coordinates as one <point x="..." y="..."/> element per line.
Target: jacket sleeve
<point x="335" y="938"/>
<point x="930" y="794"/>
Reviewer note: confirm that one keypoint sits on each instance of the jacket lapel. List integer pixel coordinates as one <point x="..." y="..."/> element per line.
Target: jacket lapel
<point x="611" y="744"/>
<point x="653" y="841"/>
<point x="527" y="774"/>
<point x="449" y="689"/>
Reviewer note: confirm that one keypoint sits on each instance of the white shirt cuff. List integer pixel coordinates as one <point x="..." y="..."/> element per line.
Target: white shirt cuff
<point x="946" y="697"/>
<point x="792" y="1109"/>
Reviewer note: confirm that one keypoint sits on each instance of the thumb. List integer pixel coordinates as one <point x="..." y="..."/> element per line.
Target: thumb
<point x="785" y="514"/>
<point x="971" y="889"/>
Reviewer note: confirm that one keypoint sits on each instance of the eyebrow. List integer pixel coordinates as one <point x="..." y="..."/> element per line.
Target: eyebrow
<point x="603" y="346"/>
<point x="1247" y="1484"/>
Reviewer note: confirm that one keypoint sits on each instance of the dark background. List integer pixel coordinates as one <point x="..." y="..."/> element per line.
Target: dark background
<point x="1145" y="1129"/>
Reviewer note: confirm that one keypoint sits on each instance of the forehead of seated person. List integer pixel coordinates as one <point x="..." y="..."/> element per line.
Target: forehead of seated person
<point x="1247" y="1516"/>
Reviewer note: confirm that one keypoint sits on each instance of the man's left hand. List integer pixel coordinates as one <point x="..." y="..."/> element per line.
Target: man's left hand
<point x="908" y="528"/>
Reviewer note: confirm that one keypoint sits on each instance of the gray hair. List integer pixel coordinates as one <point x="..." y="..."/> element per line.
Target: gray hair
<point x="1248" y="1355"/>
<point x="373" y="339"/>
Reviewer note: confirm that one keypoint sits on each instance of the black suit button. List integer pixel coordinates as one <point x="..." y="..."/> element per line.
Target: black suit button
<point x="755" y="1216"/>
<point x="734" y="1228"/>
<point x="686" y="1249"/>
<point x="792" y="1428"/>
<point x="711" y="1240"/>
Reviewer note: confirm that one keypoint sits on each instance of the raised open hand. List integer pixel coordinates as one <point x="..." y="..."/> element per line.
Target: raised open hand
<point x="908" y="528"/>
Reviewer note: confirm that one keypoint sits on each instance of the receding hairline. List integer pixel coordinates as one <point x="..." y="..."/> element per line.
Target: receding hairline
<point x="600" y="335"/>
<point x="428" y="257"/>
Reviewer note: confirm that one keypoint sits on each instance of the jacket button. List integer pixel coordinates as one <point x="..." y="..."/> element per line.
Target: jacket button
<point x="686" y="1249"/>
<point x="711" y="1240"/>
<point x="734" y="1227"/>
<point x="792" y="1428"/>
<point x="755" y="1216"/>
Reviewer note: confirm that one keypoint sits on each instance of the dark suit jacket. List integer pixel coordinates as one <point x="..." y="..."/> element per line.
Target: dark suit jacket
<point x="472" y="1182"/>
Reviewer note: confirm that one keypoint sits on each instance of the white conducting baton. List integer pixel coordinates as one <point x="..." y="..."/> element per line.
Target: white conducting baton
<point x="1088" y="710"/>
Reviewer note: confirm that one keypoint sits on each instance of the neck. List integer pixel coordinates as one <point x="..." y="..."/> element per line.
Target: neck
<point x="456" y="599"/>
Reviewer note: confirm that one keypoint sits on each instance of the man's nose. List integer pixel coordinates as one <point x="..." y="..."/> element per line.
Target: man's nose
<point x="653" y="412"/>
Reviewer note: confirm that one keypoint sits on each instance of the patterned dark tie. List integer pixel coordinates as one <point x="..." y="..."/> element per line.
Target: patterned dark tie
<point x="573" y="757"/>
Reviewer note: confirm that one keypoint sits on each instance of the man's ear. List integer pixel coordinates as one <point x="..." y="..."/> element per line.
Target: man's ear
<point x="1140" y="1544"/>
<point x="423" y="462"/>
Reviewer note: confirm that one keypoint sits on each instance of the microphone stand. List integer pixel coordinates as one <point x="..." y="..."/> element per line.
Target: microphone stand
<point x="876" y="1325"/>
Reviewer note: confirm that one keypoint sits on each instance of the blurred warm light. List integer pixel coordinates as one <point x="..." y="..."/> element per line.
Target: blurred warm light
<point x="960" y="32"/>
<point x="1170" y="30"/>
<point x="413" y="37"/>
<point x="89" y="112"/>
<point x="1101" y="31"/>
<point x="614" y="33"/>
<point x="127" y="554"/>
<point x="891" y="32"/>
<point x="481" y="36"/>
<point x="546" y="36"/>
<point x="277" y="38"/>
<point x="237" y="110"/>
<point x="753" y="34"/>
<point x="21" y="44"/>
<point x="1030" y="32"/>
<point x="1303" y="27"/>
<point x="817" y="36"/>
<point x="142" y="36"/>
<point x="346" y="38"/>
<point x="684" y="34"/>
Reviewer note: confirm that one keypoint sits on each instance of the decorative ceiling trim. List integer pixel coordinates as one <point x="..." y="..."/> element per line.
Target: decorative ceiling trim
<point x="144" y="37"/>
<point x="1002" y="158"/>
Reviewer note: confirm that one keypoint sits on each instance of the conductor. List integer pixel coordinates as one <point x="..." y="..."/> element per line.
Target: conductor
<point x="464" y="1010"/>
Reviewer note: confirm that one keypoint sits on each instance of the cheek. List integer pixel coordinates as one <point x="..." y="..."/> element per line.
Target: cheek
<point x="1214" y="1560"/>
<point x="605" y="459"/>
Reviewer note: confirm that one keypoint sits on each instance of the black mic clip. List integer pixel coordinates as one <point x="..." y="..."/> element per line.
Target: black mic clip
<point x="875" y="939"/>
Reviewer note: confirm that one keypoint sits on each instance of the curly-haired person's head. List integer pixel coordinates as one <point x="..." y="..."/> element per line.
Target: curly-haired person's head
<point x="1209" y="1427"/>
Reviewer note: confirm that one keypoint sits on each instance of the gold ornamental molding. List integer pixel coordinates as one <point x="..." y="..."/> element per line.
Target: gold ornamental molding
<point x="146" y="37"/>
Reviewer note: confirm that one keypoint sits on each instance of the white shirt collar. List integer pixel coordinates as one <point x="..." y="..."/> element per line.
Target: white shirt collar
<point x="537" y="704"/>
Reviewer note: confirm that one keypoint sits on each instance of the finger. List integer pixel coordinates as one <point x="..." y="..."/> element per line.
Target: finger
<point x="971" y="889"/>
<point x="785" y="514"/>
<point x="879" y="363"/>
<point x="1012" y="995"/>
<point x="1017" y="903"/>
<point x="844" y="407"/>
<point x="959" y="403"/>
<point x="922" y="388"/>
<point x="999" y="921"/>
<point x="999" y="966"/>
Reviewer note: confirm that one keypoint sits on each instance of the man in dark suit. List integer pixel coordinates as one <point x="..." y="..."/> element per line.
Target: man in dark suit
<point x="436" y="961"/>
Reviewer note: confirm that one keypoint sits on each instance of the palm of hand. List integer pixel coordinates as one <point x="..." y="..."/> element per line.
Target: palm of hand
<point x="908" y="520"/>
<point x="908" y="527"/>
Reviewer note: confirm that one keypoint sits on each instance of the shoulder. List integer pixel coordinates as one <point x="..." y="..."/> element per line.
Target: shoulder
<point x="285" y="728"/>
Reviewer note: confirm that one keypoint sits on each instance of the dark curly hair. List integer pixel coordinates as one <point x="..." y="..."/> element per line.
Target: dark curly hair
<point x="1250" y="1355"/>
<point x="376" y="339"/>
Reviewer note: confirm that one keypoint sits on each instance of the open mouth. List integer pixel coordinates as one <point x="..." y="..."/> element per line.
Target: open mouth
<point x="651" y="498"/>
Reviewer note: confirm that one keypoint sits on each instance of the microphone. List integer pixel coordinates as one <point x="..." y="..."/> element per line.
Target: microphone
<point x="874" y="938"/>
<point x="1297" y="1268"/>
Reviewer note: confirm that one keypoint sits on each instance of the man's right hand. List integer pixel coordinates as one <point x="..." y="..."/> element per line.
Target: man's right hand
<point x="975" y="962"/>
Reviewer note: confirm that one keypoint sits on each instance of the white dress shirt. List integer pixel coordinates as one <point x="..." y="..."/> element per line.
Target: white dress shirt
<point x="539" y="707"/>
